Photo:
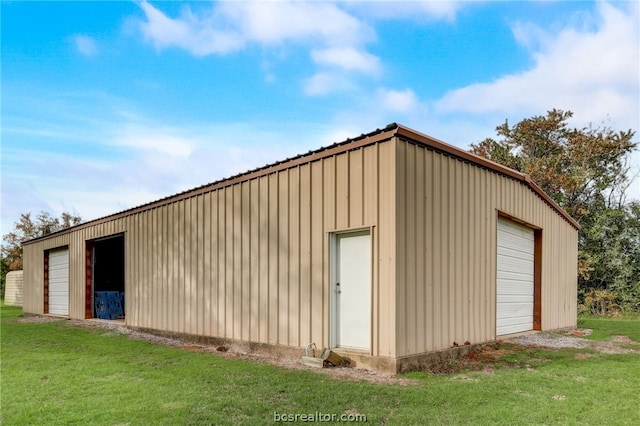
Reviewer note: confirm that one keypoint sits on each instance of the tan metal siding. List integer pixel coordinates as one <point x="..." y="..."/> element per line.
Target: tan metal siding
<point x="293" y="293"/>
<point x="272" y="254"/>
<point x="446" y="246"/>
<point x="385" y="292"/>
<point x="439" y="260"/>
<point x="306" y="320"/>
<point x="317" y="253"/>
<point x="173" y="259"/>
<point x="284" y="310"/>
<point x="254" y="267"/>
<point x="33" y="281"/>
<point x="248" y="261"/>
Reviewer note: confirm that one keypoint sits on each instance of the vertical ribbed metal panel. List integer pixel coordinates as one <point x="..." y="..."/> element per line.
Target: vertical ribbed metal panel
<point x="385" y="316"/>
<point x="316" y="307"/>
<point x="294" y="231"/>
<point x="249" y="261"/>
<point x="446" y="243"/>
<point x="254" y="263"/>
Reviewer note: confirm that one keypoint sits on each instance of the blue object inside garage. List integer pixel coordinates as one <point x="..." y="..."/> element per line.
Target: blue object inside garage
<point x="109" y="304"/>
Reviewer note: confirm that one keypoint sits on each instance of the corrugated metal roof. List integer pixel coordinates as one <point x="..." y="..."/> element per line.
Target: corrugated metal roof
<point x="378" y="135"/>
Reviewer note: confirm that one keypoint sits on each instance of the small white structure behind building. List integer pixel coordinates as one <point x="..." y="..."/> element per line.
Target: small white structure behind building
<point x="13" y="290"/>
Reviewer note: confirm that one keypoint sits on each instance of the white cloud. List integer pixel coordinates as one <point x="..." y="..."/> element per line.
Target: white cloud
<point x="379" y="107"/>
<point x="85" y="45"/>
<point x="348" y="58"/>
<point x="230" y="26"/>
<point x="276" y="22"/>
<point x="334" y="38"/>
<point x="334" y="34"/>
<point x="159" y="139"/>
<point x="592" y="70"/>
<point x="190" y="32"/>
<point x="397" y="101"/>
<point x="323" y="83"/>
<point x="415" y="9"/>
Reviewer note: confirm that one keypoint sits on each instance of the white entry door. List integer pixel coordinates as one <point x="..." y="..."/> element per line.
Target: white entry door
<point x="352" y="289"/>
<point x="514" y="310"/>
<point x="59" y="282"/>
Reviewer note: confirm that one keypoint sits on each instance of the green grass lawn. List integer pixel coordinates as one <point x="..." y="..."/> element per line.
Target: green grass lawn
<point x="603" y="328"/>
<point x="54" y="373"/>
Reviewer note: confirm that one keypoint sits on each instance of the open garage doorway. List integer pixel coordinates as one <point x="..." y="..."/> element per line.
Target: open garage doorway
<point x="105" y="296"/>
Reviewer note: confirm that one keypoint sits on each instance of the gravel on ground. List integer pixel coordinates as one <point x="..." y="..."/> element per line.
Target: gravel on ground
<point x="491" y="351"/>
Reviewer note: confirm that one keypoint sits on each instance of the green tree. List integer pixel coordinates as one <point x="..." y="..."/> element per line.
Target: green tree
<point x="28" y="228"/>
<point x="586" y="171"/>
<point x="4" y="269"/>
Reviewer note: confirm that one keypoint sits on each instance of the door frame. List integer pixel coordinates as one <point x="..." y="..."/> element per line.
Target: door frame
<point x="89" y="268"/>
<point x="333" y="279"/>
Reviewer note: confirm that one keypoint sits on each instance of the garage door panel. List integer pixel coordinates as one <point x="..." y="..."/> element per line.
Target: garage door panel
<point x="514" y="230"/>
<point x="59" y="282"/>
<point x="58" y="274"/>
<point x="516" y="252"/>
<point x="514" y="278"/>
<point x="514" y="290"/>
<point x="57" y="299"/>
<point x="516" y="308"/>
<point x="514" y="246"/>
<point x="506" y="276"/>
<point x="512" y="320"/>
<point x="510" y="240"/>
<point x="512" y="328"/>
<point x="511" y="264"/>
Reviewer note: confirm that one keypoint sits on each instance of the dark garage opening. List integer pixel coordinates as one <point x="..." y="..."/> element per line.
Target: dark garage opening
<point x="106" y="258"/>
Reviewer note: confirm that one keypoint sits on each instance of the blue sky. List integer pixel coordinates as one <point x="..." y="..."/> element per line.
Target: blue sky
<point x="108" y="105"/>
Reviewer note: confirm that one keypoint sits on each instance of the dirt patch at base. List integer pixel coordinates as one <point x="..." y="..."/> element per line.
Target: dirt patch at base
<point x="615" y="345"/>
<point x="622" y="339"/>
<point x="487" y="358"/>
<point x="510" y="353"/>
<point x="344" y="373"/>
<point x="38" y="319"/>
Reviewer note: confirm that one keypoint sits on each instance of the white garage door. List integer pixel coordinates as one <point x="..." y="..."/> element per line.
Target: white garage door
<point x="59" y="282"/>
<point x="514" y="312"/>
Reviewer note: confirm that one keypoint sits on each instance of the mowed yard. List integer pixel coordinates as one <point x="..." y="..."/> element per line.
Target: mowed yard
<point x="61" y="373"/>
